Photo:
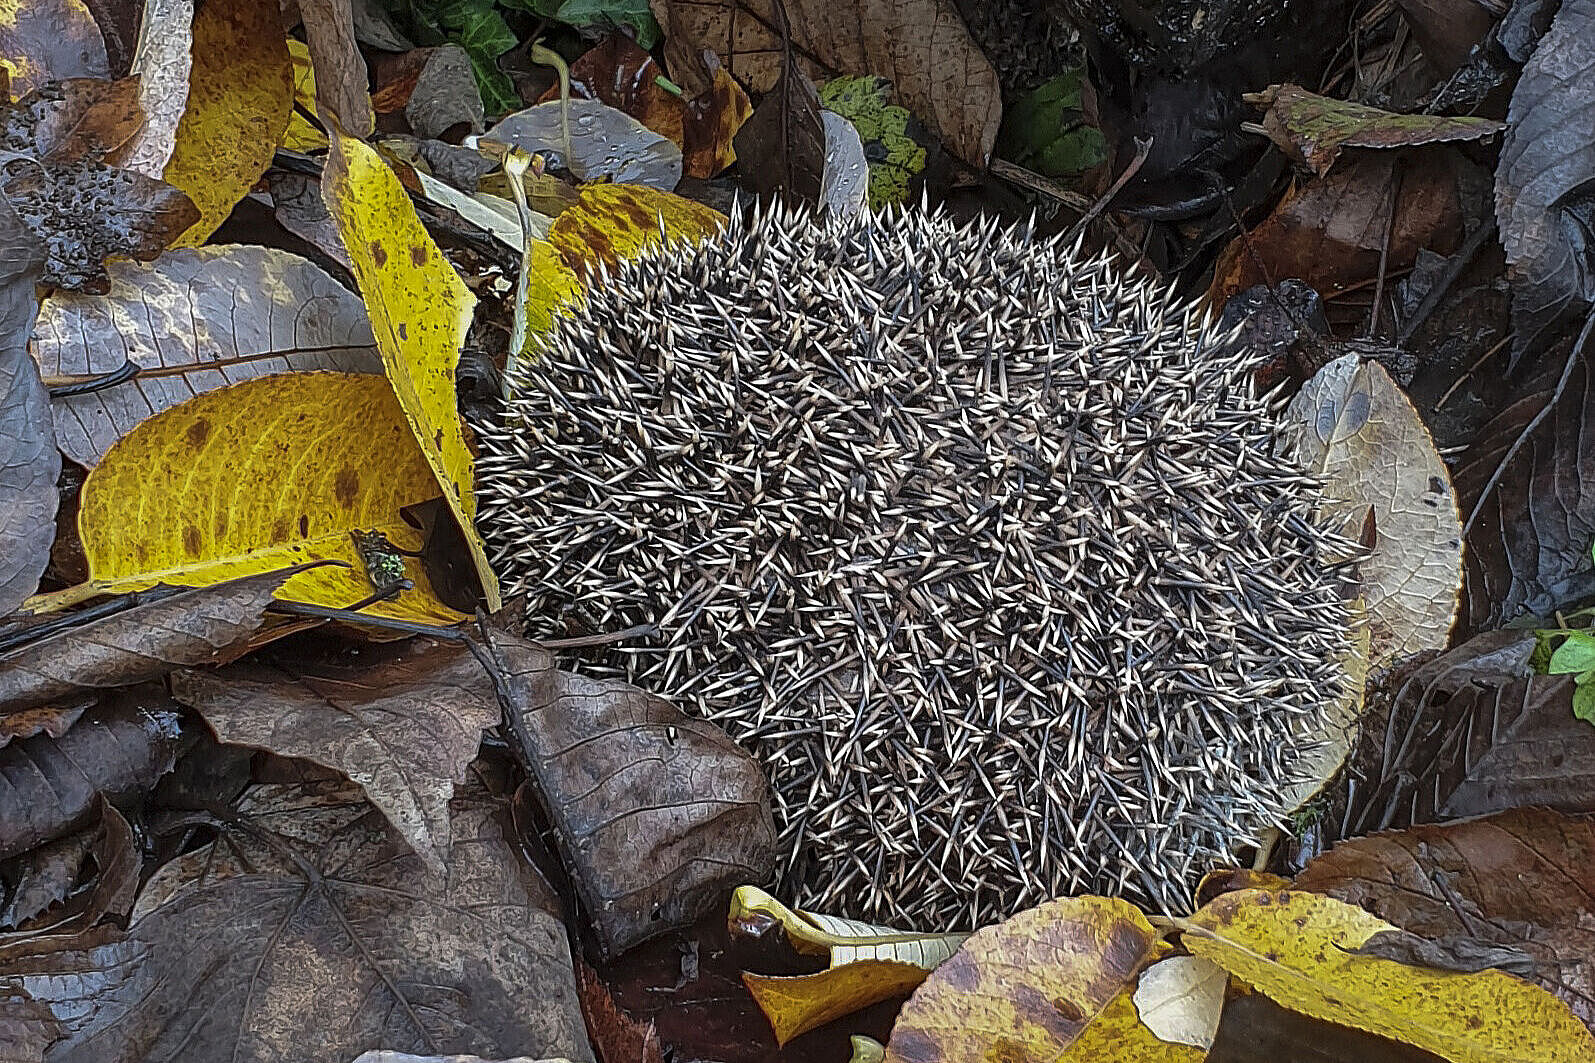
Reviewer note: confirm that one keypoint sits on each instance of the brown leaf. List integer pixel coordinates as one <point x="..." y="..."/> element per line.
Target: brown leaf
<point x="617" y="1037"/>
<point x="341" y="79"/>
<point x="85" y="212"/>
<point x="1521" y="880"/>
<point x="1471" y="732"/>
<point x="198" y="626"/>
<point x="1528" y="497"/>
<point x="404" y="729"/>
<point x="47" y="40"/>
<point x="309" y="932"/>
<point x="922" y="46"/>
<point x="1329" y="231"/>
<point x="1446" y="30"/>
<point x="51" y="871"/>
<point x="69" y="121"/>
<point x="1313" y="129"/>
<point x="659" y="815"/>
<point x="48" y="786"/>
<point x="782" y="147"/>
<point x="53" y="720"/>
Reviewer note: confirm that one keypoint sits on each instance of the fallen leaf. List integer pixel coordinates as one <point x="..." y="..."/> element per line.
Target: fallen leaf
<point x="119" y="748"/>
<point x="340" y="84"/>
<point x="53" y="720"/>
<point x="844" y="185"/>
<point x="257" y="476"/>
<point x="75" y="120"/>
<point x="1296" y="947"/>
<point x="1030" y="987"/>
<point x="301" y="135"/>
<point x="162" y="65"/>
<point x="420" y="312"/>
<point x="1180" y="1000"/>
<point x="782" y="146"/>
<point x="1520" y="879"/>
<point x="309" y="932"/>
<point x="29" y="462"/>
<point x="405" y="730"/>
<point x="602" y="143"/>
<point x="1355" y="430"/>
<point x="617" y="222"/>
<point x="193" y="321"/>
<point x="659" y="814"/>
<point x="1528" y="498"/>
<point x="886" y="133"/>
<point x="1547" y="160"/>
<point x="240" y="93"/>
<point x="53" y="870"/>
<point x="208" y="625"/>
<point x="48" y="40"/>
<point x="921" y="46"/>
<point x="868" y="964"/>
<point x="1312" y="129"/>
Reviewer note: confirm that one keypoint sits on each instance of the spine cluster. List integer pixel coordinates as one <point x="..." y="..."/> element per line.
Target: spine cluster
<point x="984" y="549"/>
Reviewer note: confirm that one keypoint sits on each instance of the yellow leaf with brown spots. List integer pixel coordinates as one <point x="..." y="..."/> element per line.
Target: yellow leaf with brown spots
<point x="420" y="312"/>
<point x="301" y="135"/>
<point x="240" y="94"/>
<point x="1299" y="949"/>
<point x="797" y="1004"/>
<point x="1028" y="989"/>
<point x="257" y="476"/>
<point x="615" y="222"/>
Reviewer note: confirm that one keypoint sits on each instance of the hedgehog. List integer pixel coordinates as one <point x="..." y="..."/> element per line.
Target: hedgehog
<point x="986" y="548"/>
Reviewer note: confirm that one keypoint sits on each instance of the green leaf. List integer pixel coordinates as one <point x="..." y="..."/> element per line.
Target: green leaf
<point x="479" y="27"/>
<point x="1584" y="702"/>
<point x="1576" y="654"/>
<point x="633" y="13"/>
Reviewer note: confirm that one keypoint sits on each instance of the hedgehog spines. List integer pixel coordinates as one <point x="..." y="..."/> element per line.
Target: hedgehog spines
<point x="982" y="547"/>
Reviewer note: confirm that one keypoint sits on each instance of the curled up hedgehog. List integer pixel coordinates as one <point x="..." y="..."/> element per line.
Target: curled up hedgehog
<point x="985" y="549"/>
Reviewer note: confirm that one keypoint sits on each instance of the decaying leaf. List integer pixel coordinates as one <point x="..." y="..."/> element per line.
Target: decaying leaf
<point x="594" y="141"/>
<point x="207" y="625"/>
<point x="615" y="222"/>
<point x="29" y="462"/>
<point x="50" y="872"/>
<point x="309" y="932"/>
<point x="193" y="321"/>
<point x="1313" y="129"/>
<point x="1547" y="163"/>
<point x="420" y="312"/>
<point x="658" y="814"/>
<point x="1519" y="880"/>
<point x="257" y="476"/>
<point x="1356" y="430"/>
<point x="48" y="786"/>
<point x="48" y="40"/>
<point x="1032" y="987"/>
<point x="868" y="964"/>
<point x="1180" y="999"/>
<point x="340" y="81"/>
<point x="405" y="730"/>
<point x="240" y="93"/>
<point x="1298" y="948"/>
<point x="922" y="46"/>
<point x="162" y="64"/>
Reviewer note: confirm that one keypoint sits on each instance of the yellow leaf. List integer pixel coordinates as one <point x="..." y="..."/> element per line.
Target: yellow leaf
<point x="253" y="477"/>
<point x="1117" y="1035"/>
<point x="1031" y="987"/>
<point x="1297" y="947"/>
<point x="240" y="94"/>
<point x="420" y="312"/>
<point x="552" y="288"/>
<point x="301" y="135"/>
<point x="800" y="1003"/>
<point x="614" y="222"/>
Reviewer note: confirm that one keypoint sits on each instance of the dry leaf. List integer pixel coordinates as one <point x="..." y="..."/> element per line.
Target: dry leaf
<point x="420" y="312"/>
<point x="240" y="93"/>
<point x="1355" y="429"/>
<point x="405" y="729"/>
<point x="921" y="46"/>
<point x="1180" y="1000"/>
<point x="1297" y="947"/>
<point x="49" y="40"/>
<point x="162" y="65"/>
<point x="208" y="317"/>
<point x="29" y="462"/>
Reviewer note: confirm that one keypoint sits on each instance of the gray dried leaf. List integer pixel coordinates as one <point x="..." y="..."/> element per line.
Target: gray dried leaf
<point x="1529" y="492"/>
<point x="659" y="815"/>
<point x="162" y="63"/>
<point x="1547" y="162"/>
<point x="405" y="730"/>
<point x="47" y="40"/>
<point x="844" y="185"/>
<point x="604" y="143"/>
<point x="29" y="462"/>
<point x="204" y="625"/>
<point x="193" y="320"/>
<point x="310" y="932"/>
<point x="49" y="786"/>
